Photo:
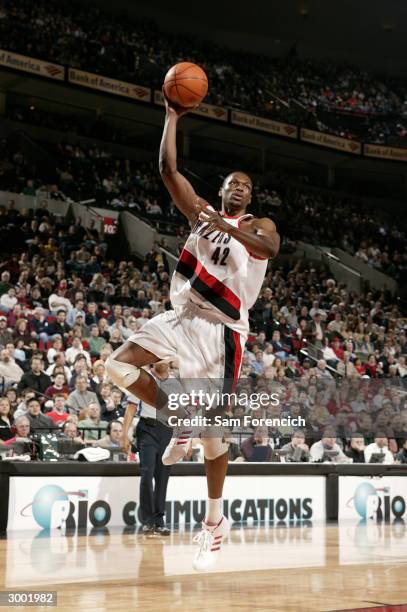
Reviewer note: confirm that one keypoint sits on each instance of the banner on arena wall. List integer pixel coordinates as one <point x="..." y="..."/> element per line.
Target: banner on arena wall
<point x="205" y="110"/>
<point x="92" y="501"/>
<point x="373" y="499"/>
<point x="110" y="226"/>
<point x="31" y="64"/>
<point x="265" y="125"/>
<point x="109" y="220"/>
<point x="395" y="153"/>
<point x="332" y="142"/>
<point x="49" y="558"/>
<point x="113" y="86"/>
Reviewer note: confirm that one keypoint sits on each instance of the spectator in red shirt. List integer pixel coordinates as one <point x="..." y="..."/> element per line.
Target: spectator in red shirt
<point x="59" y="413"/>
<point x="359" y="366"/>
<point x="371" y="366"/>
<point x="60" y="387"/>
<point x="337" y="349"/>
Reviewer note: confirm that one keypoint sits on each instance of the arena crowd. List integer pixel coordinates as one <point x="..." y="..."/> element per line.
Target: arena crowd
<point x="66" y="304"/>
<point x="92" y="171"/>
<point x="337" y="98"/>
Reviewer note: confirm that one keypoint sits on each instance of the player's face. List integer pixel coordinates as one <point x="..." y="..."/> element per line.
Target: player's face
<point x="236" y="191"/>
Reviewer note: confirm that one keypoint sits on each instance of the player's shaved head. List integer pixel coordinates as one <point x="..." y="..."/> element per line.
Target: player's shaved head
<point x="238" y="175"/>
<point x="236" y="193"/>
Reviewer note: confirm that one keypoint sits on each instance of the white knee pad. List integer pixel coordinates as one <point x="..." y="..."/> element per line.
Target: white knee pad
<point x="122" y="374"/>
<point x="214" y="448"/>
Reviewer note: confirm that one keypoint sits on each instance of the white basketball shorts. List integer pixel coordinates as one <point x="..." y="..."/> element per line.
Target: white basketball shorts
<point x="203" y="347"/>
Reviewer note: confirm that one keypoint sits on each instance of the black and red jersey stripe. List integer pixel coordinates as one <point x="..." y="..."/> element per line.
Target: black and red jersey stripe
<point x="208" y="286"/>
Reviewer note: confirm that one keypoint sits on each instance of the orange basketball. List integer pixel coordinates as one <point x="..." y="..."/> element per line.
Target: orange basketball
<point x="186" y="84"/>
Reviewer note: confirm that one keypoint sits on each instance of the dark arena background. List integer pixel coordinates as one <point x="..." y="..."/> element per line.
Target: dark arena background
<point x="307" y="98"/>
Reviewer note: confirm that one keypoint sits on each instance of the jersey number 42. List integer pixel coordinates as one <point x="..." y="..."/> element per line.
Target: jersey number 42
<point x="220" y="255"/>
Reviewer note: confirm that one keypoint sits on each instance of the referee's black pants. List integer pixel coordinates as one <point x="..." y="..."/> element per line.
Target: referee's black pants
<point x="152" y="439"/>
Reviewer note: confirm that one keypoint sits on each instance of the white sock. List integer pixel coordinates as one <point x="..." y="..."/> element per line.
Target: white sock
<point x="214" y="511"/>
<point x="131" y="397"/>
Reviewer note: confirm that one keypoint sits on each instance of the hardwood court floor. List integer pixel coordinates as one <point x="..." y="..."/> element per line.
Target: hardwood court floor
<point x="283" y="569"/>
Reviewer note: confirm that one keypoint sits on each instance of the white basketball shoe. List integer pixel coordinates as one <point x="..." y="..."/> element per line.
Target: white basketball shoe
<point x="209" y="541"/>
<point x="178" y="447"/>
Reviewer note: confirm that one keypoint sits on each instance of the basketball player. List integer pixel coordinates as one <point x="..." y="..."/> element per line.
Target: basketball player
<point x="217" y="279"/>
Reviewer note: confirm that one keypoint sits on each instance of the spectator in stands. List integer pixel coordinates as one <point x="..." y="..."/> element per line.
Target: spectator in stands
<point x="379" y="447"/>
<point x="8" y="300"/>
<point x="22" y="333"/>
<point x="11" y="395"/>
<point x="6" y="419"/>
<point x="401" y="456"/>
<point x="291" y="370"/>
<point x="81" y="398"/>
<point x="91" y="317"/>
<point x="38" y="421"/>
<point x="70" y="432"/>
<point x="22" y="427"/>
<point x="320" y="451"/>
<point x="80" y="368"/>
<point x="315" y="332"/>
<point x="258" y="365"/>
<point x="279" y="348"/>
<point x="56" y="348"/>
<point x="59" y="413"/>
<point x="93" y="424"/>
<point x="21" y="402"/>
<point x="59" y="387"/>
<point x="10" y="372"/>
<point x="5" y="334"/>
<point x="99" y="374"/>
<point x="321" y="370"/>
<point x="59" y="327"/>
<point x="371" y="368"/>
<point x="356" y="450"/>
<point x="58" y="301"/>
<point x="59" y="365"/>
<point x="5" y="282"/>
<point x="297" y="450"/>
<point x="257" y="447"/>
<point x="104" y="394"/>
<point x="75" y="350"/>
<point x="78" y="309"/>
<point x="114" y="408"/>
<point x="95" y="341"/>
<point x="113" y="437"/>
<point x="35" y="378"/>
<point x="346" y="367"/>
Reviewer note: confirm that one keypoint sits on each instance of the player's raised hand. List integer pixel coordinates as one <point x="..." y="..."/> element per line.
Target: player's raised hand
<point x="209" y="215"/>
<point x="174" y="109"/>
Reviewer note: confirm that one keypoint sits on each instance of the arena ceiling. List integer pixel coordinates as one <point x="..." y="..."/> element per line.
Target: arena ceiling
<point x="372" y="33"/>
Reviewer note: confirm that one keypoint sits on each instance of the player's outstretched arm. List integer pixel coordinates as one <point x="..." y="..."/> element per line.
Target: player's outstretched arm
<point x="181" y="190"/>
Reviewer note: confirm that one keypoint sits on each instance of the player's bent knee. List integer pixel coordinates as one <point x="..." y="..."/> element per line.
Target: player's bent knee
<point x="214" y="448"/>
<point x="121" y="373"/>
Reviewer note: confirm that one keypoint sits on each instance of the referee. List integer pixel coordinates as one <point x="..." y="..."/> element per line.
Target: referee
<point x="152" y="438"/>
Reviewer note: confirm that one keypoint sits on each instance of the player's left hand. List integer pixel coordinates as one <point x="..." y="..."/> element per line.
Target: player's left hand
<point x="209" y="215"/>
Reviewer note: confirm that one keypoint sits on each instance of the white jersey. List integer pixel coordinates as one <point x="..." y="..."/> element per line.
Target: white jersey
<point x="218" y="273"/>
